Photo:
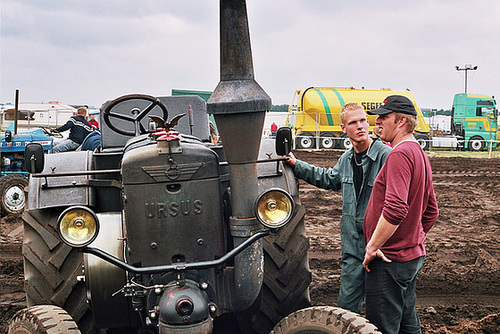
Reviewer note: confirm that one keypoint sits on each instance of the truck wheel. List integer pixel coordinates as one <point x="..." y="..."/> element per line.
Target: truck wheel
<point x="423" y="141"/>
<point x="476" y="143"/>
<point x="305" y="141"/>
<point x="324" y="319"/>
<point x="13" y="198"/>
<point x="43" y="319"/>
<point x="286" y="276"/>
<point x="327" y="141"/>
<point x="345" y="142"/>
<point x="51" y="268"/>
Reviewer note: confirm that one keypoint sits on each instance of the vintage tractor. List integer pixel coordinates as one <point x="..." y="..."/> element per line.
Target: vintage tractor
<point x="160" y="231"/>
<point x="13" y="174"/>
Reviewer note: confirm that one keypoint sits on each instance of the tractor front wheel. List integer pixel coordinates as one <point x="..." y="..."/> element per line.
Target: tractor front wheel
<point x="13" y="197"/>
<point x="324" y="320"/>
<point x="43" y="319"/>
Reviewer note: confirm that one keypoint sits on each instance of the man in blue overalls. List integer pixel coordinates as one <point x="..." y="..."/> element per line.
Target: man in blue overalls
<point x="354" y="174"/>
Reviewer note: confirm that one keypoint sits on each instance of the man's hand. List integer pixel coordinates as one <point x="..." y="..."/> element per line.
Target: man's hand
<point x="291" y="159"/>
<point x="369" y="256"/>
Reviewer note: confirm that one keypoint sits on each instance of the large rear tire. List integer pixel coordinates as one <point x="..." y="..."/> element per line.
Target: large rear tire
<point x="13" y="197"/>
<point x="286" y="275"/>
<point x="43" y="319"/>
<point x="324" y="319"/>
<point x="51" y="269"/>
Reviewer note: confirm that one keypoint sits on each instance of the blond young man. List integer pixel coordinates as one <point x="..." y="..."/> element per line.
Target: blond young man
<point x="354" y="174"/>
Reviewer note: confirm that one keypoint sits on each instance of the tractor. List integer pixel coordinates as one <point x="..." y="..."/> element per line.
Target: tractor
<point x="161" y="231"/>
<point x="13" y="174"/>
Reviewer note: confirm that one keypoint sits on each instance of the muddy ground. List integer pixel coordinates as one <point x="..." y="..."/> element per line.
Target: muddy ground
<point x="458" y="288"/>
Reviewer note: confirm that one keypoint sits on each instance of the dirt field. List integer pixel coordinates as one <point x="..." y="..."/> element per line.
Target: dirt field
<point x="458" y="288"/>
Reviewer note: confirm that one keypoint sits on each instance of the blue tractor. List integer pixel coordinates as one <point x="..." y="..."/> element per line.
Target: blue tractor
<point x="13" y="172"/>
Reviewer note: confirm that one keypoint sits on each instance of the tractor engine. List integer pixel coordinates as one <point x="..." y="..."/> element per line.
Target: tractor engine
<point x="172" y="207"/>
<point x="173" y="214"/>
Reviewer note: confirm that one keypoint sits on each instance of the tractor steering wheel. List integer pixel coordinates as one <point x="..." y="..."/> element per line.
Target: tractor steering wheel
<point x="49" y="132"/>
<point x="136" y="114"/>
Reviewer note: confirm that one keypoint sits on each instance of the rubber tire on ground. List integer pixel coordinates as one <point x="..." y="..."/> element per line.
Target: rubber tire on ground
<point x="13" y="197"/>
<point x="43" y="319"/>
<point x="305" y="140"/>
<point x="327" y="141"/>
<point x="324" y="319"/>
<point x="286" y="275"/>
<point x="476" y="143"/>
<point x="423" y="141"/>
<point x="51" y="268"/>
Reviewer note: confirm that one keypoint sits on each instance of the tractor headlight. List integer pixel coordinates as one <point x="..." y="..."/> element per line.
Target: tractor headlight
<point x="77" y="226"/>
<point x="274" y="208"/>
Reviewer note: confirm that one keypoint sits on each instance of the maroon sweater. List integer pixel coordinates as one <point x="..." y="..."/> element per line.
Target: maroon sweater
<point x="404" y="194"/>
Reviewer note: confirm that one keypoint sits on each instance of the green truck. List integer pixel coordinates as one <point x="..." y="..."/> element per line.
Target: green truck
<point x="474" y="120"/>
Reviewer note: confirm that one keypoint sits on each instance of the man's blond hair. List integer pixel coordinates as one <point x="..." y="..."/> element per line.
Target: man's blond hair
<point x="349" y="107"/>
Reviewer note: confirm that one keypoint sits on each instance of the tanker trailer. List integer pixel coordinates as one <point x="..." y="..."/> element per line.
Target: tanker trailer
<point x="315" y="115"/>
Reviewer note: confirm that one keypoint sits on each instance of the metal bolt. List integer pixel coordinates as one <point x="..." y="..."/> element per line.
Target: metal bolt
<point x="80" y="278"/>
<point x="212" y="307"/>
<point x="154" y="245"/>
<point x="204" y="285"/>
<point x="200" y="241"/>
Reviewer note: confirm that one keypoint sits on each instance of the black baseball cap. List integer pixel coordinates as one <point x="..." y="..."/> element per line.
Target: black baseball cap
<point x="395" y="103"/>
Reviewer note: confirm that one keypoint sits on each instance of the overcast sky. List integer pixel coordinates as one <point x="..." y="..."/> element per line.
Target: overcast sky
<point x="87" y="52"/>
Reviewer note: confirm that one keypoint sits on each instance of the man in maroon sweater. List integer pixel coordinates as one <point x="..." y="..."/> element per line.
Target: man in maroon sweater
<point x="401" y="210"/>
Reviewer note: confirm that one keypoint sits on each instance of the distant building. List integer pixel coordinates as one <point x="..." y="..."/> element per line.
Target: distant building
<point x="32" y="115"/>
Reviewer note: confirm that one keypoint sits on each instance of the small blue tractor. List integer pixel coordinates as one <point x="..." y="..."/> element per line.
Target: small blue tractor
<point x="13" y="173"/>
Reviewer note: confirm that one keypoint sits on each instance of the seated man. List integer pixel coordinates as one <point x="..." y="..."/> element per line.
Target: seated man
<point x="92" y="141"/>
<point x="79" y="129"/>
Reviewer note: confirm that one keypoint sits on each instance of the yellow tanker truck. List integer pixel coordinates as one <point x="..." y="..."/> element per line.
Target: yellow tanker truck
<point x="314" y="115"/>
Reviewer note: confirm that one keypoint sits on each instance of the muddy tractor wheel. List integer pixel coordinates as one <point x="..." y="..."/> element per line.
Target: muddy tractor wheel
<point x="324" y="320"/>
<point x="43" y="319"/>
<point x="51" y="269"/>
<point x="13" y="197"/>
<point x="286" y="276"/>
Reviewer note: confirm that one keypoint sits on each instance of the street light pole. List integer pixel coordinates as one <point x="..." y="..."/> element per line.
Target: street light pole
<point x="468" y="67"/>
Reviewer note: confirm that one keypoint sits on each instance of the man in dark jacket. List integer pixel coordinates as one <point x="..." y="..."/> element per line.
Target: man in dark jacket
<point x="79" y="129"/>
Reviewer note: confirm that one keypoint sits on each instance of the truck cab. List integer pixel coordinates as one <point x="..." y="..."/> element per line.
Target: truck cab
<point x="474" y="118"/>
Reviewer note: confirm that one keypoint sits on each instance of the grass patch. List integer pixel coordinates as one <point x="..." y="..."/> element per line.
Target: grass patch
<point x="450" y="153"/>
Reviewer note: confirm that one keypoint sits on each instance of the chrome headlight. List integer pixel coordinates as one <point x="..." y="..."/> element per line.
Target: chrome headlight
<point x="274" y="208"/>
<point x="77" y="226"/>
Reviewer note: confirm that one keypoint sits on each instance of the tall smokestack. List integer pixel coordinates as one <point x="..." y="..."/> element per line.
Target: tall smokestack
<point x="239" y="107"/>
